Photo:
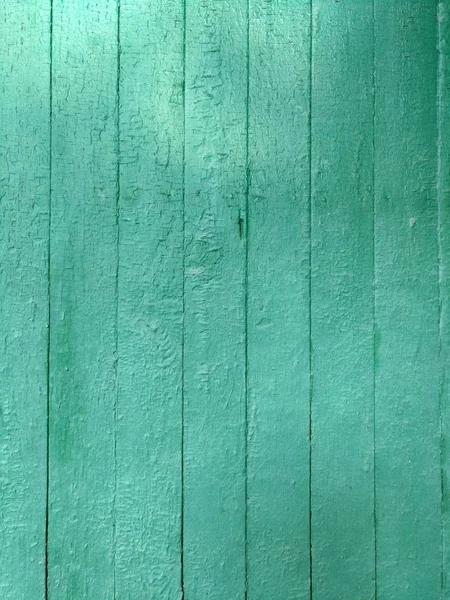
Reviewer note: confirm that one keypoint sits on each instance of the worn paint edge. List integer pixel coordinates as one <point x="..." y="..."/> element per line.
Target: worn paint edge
<point x="49" y="312"/>
<point x="374" y="294"/>
<point x="245" y="232"/>
<point x="442" y="14"/>
<point x="310" y="348"/>
<point x="116" y="292"/>
<point x="183" y="313"/>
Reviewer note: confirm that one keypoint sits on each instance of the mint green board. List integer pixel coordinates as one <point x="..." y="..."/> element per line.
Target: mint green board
<point x="150" y="301"/>
<point x="342" y="301"/>
<point x="278" y="537"/>
<point x="214" y="358"/>
<point x="24" y="240"/>
<point x="407" y="318"/>
<point x="224" y="271"/>
<point x="83" y="301"/>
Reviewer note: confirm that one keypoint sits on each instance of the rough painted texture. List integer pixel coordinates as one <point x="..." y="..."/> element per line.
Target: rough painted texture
<point x="407" y="461"/>
<point x="224" y="255"/>
<point x="150" y="307"/>
<point x="278" y="543"/>
<point x="24" y="233"/>
<point x="214" y="305"/>
<point x="83" y="298"/>
<point x="342" y="399"/>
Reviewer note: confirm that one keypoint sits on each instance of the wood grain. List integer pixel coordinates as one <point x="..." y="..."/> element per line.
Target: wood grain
<point x="407" y="308"/>
<point x="214" y="346"/>
<point x="148" y="555"/>
<point x="278" y="301"/>
<point x="83" y="357"/>
<point x="342" y="417"/>
<point x="24" y="233"/>
<point x="224" y="255"/>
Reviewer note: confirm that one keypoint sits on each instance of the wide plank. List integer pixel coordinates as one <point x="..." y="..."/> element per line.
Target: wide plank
<point x="214" y="333"/>
<point x="342" y="412"/>
<point x="407" y="432"/>
<point x="83" y="288"/>
<point x="278" y="546"/>
<point x="24" y="231"/>
<point x="148" y="505"/>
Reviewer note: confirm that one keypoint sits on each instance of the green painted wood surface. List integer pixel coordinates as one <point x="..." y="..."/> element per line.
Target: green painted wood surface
<point x="83" y="301"/>
<point x="342" y="414"/>
<point x="407" y="439"/>
<point x="224" y="256"/>
<point x="24" y="237"/>
<point x="150" y="285"/>
<point x="278" y="323"/>
<point x="214" y="300"/>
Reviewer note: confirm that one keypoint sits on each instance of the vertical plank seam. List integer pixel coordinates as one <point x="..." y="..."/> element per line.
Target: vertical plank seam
<point x="374" y="317"/>
<point x="310" y="350"/>
<point x="47" y="483"/>
<point x="183" y="312"/>
<point x="440" y="93"/>
<point x="246" y="258"/>
<point x="116" y="350"/>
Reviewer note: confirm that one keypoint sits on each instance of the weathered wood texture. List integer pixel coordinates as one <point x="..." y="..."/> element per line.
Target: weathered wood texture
<point x="24" y="240"/>
<point x="407" y="423"/>
<point x="214" y="300"/>
<point x="224" y="275"/>
<point x="83" y="301"/>
<point x="278" y="301"/>
<point x="342" y="409"/>
<point x="150" y="286"/>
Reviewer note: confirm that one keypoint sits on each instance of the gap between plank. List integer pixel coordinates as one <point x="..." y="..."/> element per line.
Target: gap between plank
<point x="47" y="483"/>
<point x="374" y="313"/>
<point x="440" y="100"/>
<point x="116" y="349"/>
<point x="183" y="310"/>
<point x="310" y="296"/>
<point x="246" y="258"/>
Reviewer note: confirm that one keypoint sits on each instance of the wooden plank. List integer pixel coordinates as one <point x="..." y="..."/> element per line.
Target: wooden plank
<point x="407" y="313"/>
<point x="278" y="301"/>
<point x="342" y="414"/>
<point x="444" y="276"/>
<point x="214" y="346"/>
<point x="24" y="212"/>
<point x="83" y="300"/>
<point x="150" y="301"/>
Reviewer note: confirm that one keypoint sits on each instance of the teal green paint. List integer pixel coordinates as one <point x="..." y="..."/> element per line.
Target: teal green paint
<point x="406" y="307"/>
<point x="342" y="412"/>
<point x="83" y="297"/>
<point x="444" y="280"/>
<point x="238" y="344"/>
<point x="24" y="203"/>
<point x="214" y="303"/>
<point x="148" y="504"/>
<point x="278" y="302"/>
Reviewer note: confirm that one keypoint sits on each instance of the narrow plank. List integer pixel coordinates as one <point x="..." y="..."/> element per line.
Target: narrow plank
<point x="342" y="413"/>
<point x="407" y="323"/>
<point x="150" y="301"/>
<point x="214" y="356"/>
<point x="83" y="300"/>
<point x="24" y="212"/>
<point x="444" y="276"/>
<point x="278" y="301"/>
